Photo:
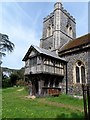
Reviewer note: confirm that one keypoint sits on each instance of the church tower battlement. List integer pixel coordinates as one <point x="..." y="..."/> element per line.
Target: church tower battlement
<point x="58" y="28"/>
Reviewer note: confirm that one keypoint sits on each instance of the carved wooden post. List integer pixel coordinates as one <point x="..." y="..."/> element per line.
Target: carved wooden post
<point x="39" y="87"/>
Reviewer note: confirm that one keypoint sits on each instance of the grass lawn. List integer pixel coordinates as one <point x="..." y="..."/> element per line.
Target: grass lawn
<point x="0" y="103"/>
<point x="15" y="105"/>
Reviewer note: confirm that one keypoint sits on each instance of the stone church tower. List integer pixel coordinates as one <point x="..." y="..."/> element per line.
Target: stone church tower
<point x="58" y="28"/>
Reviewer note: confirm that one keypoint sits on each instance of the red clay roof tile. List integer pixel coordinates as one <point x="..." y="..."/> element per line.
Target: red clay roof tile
<point x="83" y="40"/>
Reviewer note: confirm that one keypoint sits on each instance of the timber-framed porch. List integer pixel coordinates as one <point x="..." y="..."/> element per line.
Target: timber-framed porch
<point x="46" y="71"/>
<point x="42" y="84"/>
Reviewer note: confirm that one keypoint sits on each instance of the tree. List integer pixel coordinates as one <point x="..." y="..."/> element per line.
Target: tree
<point x="14" y="77"/>
<point x="6" y="81"/>
<point x="5" y="45"/>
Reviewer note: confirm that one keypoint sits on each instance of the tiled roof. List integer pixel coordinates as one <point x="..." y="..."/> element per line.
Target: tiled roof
<point x="83" y="40"/>
<point x="48" y="53"/>
<point x="43" y="51"/>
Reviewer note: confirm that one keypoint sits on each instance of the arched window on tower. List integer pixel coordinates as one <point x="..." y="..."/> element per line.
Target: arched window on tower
<point x="49" y="31"/>
<point x="69" y="30"/>
<point x="79" y="72"/>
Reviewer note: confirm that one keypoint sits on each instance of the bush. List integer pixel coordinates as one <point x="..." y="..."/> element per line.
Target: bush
<point x="14" y="77"/>
<point x="6" y="83"/>
<point x="21" y="83"/>
<point x="28" y="88"/>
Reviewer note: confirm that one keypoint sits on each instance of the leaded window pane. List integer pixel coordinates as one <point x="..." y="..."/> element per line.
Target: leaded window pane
<point x="77" y="75"/>
<point x="83" y="74"/>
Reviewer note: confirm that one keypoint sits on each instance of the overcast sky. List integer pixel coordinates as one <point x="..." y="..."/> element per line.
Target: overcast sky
<point x="22" y="22"/>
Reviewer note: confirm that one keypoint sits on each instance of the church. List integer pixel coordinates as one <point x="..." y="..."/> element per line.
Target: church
<point x="62" y="62"/>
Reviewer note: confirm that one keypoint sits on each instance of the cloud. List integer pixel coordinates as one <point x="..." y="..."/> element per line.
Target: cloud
<point x="22" y="40"/>
<point x="20" y="34"/>
<point x="21" y="22"/>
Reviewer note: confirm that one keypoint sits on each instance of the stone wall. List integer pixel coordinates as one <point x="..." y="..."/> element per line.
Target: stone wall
<point x="64" y="39"/>
<point x="47" y="43"/>
<point x="88" y="74"/>
<point x="66" y="19"/>
<point x="46" y="23"/>
<point x="74" y="88"/>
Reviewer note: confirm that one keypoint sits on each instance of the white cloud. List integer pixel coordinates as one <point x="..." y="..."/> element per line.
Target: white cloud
<point x="21" y="28"/>
<point x="22" y="40"/>
<point x="22" y="36"/>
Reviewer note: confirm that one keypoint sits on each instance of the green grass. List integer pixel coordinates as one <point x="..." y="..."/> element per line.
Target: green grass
<point x="15" y="105"/>
<point x="67" y="100"/>
<point x="0" y="103"/>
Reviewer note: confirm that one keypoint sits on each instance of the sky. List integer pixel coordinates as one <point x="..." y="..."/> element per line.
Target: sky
<point x="23" y="23"/>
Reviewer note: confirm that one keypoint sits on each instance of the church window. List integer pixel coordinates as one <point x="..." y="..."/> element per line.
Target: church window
<point x="49" y="31"/>
<point x="80" y="72"/>
<point x="77" y="75"/>
<point x="83" y="74"/>
<point x="69" y="30"/>
<point x="79" y="63"/>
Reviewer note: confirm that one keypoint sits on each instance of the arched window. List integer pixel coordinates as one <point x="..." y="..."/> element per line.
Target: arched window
<point x="83" y="74"/>
<point x="79" y="72"/>
<point x="69" y="30"/>
<point x="77" y="75"/>
<point x="49" y="31"/>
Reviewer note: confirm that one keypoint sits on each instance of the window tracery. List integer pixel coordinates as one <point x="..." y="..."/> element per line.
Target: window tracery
<point x="69" y="30"/>
<point x="79" y="72"/>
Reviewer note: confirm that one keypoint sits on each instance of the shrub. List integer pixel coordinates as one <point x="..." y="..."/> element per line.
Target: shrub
<point x="6" y="83"/>
<point x="21" y="83"/>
